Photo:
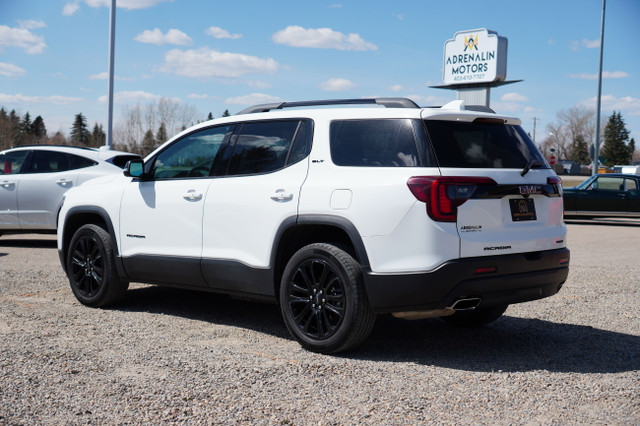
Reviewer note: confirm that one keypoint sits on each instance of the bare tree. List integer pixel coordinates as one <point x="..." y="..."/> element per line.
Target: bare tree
<point x="572" y="126"/>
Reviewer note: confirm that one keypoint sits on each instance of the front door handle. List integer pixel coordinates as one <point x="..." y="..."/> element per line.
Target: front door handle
<point x="63" y="182"/>
<point x="191" y="195"/>
<point x="7" y="184"/>
<point x="282" y="196"/>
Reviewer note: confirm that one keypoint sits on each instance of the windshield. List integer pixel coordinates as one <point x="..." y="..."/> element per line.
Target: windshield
<point x="482" y="145"/>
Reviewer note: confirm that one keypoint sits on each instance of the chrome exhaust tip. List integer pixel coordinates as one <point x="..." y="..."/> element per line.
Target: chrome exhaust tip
<point x="466" y="304"/>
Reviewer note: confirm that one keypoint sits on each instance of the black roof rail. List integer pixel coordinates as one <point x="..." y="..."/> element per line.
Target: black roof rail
<point x="46" y="145"/>
<point x="386" y="102"/>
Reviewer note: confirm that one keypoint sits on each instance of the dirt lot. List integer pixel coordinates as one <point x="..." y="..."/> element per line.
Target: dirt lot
<point x="167" y="356"/>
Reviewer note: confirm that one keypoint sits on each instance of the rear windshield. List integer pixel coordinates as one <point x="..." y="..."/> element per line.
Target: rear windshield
<point x="482" y="145"/>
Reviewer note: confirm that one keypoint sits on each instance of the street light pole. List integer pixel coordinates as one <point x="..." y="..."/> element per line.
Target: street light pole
<point x="112" y="47"/>
<point x="596" y="151"/>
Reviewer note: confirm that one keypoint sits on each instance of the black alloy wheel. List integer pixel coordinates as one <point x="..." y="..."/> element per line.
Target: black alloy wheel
<point x="323" y="301"/>
<point x="91" y="268"/>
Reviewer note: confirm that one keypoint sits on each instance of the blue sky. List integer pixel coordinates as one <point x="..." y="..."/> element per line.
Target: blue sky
<point x="218" y="55"/>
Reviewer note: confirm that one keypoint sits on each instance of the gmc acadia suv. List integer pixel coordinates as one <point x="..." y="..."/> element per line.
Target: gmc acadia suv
<point x="336" y="213"/>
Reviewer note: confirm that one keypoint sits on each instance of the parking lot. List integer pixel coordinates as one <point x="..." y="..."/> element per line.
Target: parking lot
<point x="167" y="355"/>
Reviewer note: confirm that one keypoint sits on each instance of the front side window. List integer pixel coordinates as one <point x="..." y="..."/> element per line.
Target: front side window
<point x="191" y="156"/>
<point x="608" y="184"/>
<point x="11" y="163"/>
<point x="481" y="144"/>
<point x="263" y="147"/>
<point x="378" y="143"/>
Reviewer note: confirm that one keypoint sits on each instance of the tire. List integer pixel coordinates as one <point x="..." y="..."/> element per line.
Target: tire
<point x="91" y="268"/>
<point x="323" y="301"/>
<point x="477" y="317"/>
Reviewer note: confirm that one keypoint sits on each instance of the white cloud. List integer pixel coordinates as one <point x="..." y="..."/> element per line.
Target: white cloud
<point x="605" y="74"/>
<point x="626" y="104"/>
<point x="156" y="37"/>
<point x="70" y="9"/>
<point x="321" y="38"/>
<point x="25" y="100"/>
<point x="135" y="97"/>
<point x="31" y="24"/>
<point x="21" y="38"/>
<point x="125" y="4"/>
<point x="200" y="96"/>
<point x="258" y="84"/>
<point x="514" y="97"/>
<point x="217" y="32"/>
<point x="10" y="70"/>
<point x="252" y="99"/>
<point x="590" y="44"/>
<point x="587" y="44"/>
<point x="105" y="76"/>
<point x="206" y="63"/>
<point x="337" y="85"/>
<point x="395" y="88"/>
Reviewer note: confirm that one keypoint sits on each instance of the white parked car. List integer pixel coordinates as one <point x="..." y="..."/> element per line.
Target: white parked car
<point x="338" y="214"/>
<point x="33" y="180"/>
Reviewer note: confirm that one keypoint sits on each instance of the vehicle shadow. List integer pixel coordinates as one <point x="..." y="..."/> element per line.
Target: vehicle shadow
<point x="28" y="243"/>
<point x="510" y="344"/>
<point x="603" y="222"/>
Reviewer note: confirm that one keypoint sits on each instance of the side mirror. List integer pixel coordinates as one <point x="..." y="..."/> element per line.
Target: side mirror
<point x="134" y="168"/>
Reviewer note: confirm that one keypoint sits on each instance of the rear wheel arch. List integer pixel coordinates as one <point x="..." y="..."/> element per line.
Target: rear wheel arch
<point x="294" y="235"/>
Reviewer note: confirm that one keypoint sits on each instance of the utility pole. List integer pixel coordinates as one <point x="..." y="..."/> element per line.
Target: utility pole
<point x="596" y="151"/>
<point x="535" y="120"/>
<point x="112" y="47"/>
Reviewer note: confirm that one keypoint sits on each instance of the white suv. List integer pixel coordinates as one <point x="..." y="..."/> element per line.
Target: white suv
<point x="338" y="214"/>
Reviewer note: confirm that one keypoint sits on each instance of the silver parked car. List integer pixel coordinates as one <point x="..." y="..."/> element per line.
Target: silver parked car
<point x="33" y="180"/>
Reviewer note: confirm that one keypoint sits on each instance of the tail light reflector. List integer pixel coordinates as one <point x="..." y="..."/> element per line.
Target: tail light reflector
<point x="444" y="194"/>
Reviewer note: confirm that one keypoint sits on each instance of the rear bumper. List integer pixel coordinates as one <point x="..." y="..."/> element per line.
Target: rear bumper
<point x="517" y="278"/>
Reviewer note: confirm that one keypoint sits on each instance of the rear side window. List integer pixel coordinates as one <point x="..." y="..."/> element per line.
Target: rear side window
<point x="378" y="143"/>
<point x="263" y="147"/>
<point x="11" y="163"/>
<point x="481" y="145"/>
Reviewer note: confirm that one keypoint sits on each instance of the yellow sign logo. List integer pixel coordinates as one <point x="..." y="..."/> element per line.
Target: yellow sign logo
<point x="471" y="42"/>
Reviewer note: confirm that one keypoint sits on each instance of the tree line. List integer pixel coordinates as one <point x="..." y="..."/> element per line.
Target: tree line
<point x="141" y="129"/>
<point x="572" y="136"/>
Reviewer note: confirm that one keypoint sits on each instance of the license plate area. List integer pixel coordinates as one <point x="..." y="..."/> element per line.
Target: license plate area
<point x="522" y="209"/>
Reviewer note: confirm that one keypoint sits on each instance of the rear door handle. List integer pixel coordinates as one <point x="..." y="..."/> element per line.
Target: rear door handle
<point x="191" y="195"/>
<point x="63" y="182"/>
<point x="282" y="196"/>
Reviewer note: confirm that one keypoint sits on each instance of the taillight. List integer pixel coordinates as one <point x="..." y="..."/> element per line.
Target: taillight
<point x="556" y="182"/>
<point x="444" y="194"/>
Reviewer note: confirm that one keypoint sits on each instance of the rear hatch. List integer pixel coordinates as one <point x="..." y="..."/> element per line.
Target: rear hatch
<point x="495" y="185"/>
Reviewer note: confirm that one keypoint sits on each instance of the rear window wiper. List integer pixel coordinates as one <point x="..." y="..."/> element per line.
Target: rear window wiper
<point x="531" y="164"/>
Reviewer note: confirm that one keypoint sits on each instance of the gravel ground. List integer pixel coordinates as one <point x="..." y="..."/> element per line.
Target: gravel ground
<point x="171" y="356"/>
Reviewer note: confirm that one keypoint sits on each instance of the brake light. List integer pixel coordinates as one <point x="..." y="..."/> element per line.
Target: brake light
<point x="444" y="194"/>
<point x="556" y="182"/>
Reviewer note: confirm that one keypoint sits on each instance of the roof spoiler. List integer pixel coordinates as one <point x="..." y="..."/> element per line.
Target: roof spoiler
<point x="386" y="102"/>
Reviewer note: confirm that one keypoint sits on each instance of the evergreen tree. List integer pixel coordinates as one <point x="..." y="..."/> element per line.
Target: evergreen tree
<point x="98" y="137"/>
<point x="579" y="151"/>
<point x="161" y="135"/>
<point x="226" y="113"/>
<point x="148" y="143"/>
<point x="79" y="132"/>
<point x="14" y="128"/>
<point x="632" y="147"/>
<point x="615" y="149"/>
<point x="210" y="116"/>
<point x="38" y="128"/>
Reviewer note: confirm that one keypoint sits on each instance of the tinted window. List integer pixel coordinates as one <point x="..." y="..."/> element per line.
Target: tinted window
<point x="11" y="162"/>
<point x="191" y="156"/>
<point x="377" y="143"/>
<point x="78" y="162"/>
<point x="262" y="147"/>
<point x="481" y="145"/>
<point x="49" y="162"/>
<point x="302" y="143"/>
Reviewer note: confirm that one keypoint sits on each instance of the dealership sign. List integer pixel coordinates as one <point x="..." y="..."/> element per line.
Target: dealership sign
<point x="475" y="56"/>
